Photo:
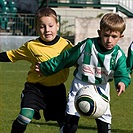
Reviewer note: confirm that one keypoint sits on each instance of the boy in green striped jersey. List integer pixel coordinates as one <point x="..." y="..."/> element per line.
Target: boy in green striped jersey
<point x="98" y="61"/>
<point x="38" y="91"/>
<point x="130" y="58"/>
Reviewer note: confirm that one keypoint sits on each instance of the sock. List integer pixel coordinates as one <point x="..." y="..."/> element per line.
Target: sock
<point x="103" y="127"/>
<point x="17" y="127"/>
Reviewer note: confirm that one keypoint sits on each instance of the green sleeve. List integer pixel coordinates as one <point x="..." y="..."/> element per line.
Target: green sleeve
<point x="130" y="58"/>
<point x="66" y="59"/>
<point x="121" y="73"/>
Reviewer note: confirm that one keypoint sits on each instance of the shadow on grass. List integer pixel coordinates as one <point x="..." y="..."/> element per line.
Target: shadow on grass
<point x="83" y="127"/>
<point x="112" y="131"/>
<point x="121" y="131"/>
<point x="47" y="124"/>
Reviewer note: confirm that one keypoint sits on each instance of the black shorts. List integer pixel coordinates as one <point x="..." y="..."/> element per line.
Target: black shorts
<point x="52" y="100"/>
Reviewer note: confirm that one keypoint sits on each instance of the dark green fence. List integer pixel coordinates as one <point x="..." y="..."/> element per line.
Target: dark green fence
<point x="18" y="24"/>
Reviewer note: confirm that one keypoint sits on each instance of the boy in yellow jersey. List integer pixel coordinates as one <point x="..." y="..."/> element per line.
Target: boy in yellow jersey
<point x="41" y="93"/>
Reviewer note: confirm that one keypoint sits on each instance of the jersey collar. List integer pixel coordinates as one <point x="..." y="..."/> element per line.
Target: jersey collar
<point x="51" y="42"/>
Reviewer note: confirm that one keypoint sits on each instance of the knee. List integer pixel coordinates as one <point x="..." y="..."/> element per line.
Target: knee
<point x="25" y="116"/>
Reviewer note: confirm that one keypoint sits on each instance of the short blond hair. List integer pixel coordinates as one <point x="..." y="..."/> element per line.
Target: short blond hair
<point x="112" y="22"/>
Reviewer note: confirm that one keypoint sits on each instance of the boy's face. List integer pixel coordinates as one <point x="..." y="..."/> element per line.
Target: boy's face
<point x="109" y="38"/>
<point x="47" y="28"/>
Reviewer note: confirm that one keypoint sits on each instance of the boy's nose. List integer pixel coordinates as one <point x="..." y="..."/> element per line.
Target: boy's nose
<point x="47" y="28"/>
<point x="109" y="39"/>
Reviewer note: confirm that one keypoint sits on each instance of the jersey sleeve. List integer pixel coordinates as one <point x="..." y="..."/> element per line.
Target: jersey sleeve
<point x="22" y="53"/>
<point x="4" y="57"/>
<point x="65" y="60"/>
<point x="130" y="58"/>
<point x="121" y="73"/>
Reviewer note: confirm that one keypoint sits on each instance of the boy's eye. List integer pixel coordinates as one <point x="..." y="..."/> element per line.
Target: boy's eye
<point x="106" y="35"/>
<point x="50" y="25"/>
<point x="114" y="36"/>
<point x="41" y="26"/>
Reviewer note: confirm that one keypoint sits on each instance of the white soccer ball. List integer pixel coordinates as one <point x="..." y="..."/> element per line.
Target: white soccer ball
<point x="91" y="101"/>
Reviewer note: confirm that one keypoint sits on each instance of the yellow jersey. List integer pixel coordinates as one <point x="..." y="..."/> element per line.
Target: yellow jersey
<point x="39" y="51"/>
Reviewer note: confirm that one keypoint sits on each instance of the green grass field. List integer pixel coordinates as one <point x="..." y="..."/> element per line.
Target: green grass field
<point x="12" y="79"/>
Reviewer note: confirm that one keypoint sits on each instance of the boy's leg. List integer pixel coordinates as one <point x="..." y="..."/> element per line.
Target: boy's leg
<point x="72" y="116"/>
<point x="23" y="119"/>
<point x="71" y="124"/>
<point x="55" y="107"/>
<point x="17" y="127"/>
<point x="104" y="122"/>
<point x="32" y="97"/>
<point x="103" y="127"/>
<point x="31" y="102"/>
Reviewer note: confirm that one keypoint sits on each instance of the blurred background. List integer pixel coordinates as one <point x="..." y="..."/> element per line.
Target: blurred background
<point x="78" y="19"/>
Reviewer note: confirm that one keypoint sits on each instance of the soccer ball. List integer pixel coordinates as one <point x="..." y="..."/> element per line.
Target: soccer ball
<point x="91" y="101"/>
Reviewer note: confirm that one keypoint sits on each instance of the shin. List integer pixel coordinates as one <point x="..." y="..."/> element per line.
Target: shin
<point x="23" y="119"/>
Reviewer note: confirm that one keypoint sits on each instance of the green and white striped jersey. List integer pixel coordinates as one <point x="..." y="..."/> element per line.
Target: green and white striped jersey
<point x="130" y="58"/>
<point x="93" y="65"/>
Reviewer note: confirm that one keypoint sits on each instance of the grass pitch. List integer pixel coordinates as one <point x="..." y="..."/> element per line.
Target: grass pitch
<point x="12" y="79"/>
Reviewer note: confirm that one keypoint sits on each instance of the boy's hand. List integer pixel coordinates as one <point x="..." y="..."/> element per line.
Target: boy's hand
<point x="37" y="69"/>
<point x="120" y="88"/>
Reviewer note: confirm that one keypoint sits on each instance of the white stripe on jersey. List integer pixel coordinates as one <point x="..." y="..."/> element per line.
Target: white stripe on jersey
<point x="119" y="55"/>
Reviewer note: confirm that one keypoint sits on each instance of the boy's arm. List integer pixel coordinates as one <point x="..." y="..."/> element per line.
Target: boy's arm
<point x="130" y="59"/>
<point x="121" y="74"/>
<point x="66" y="59"/>
<point x="4" y="57"/>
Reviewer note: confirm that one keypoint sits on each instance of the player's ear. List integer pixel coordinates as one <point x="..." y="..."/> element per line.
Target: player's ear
<point x="58" y="25"/>
<point x="99" y="32"/>
<point x="121" y="36"/>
